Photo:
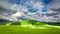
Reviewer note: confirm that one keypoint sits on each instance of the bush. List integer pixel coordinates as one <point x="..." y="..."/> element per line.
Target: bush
<point x="15" y="23"/>
<point x="33" y="22"/>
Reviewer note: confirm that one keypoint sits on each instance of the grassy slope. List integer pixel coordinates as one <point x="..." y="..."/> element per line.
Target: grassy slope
<point x="27" y="30"/>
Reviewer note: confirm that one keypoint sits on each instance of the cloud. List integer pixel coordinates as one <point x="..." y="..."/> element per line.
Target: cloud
<point x="5" y="10"/>
<point x="31" y="9"/>
<point x="10" y="11"/>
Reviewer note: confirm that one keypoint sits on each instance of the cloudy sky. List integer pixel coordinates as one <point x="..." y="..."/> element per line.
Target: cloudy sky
<point x="40" y="10"/>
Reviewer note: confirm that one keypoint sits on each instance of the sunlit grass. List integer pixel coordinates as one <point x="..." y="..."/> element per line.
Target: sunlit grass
<point x="53" y="26"/>
<point x="46" y="26"/>
<point x="34" y="26"/>
<point x="8" y="24"/>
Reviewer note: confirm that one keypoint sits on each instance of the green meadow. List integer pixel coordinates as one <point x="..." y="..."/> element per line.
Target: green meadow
<point x="29" y="27"/>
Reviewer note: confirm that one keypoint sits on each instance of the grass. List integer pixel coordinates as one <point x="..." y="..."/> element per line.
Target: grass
<point x="29" y="27"/>
<point x="17" y="29"/>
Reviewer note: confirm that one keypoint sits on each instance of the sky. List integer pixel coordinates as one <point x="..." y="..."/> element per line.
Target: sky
<point x="40" y="10"/>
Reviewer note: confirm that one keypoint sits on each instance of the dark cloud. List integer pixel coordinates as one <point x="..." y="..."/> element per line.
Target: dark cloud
<point x="52" y="14"/>
<point x="56" y="10"/>
<point x="56" y="16"/>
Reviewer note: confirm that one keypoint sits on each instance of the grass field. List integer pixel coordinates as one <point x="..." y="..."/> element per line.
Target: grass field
<point x="17" y="29"/>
